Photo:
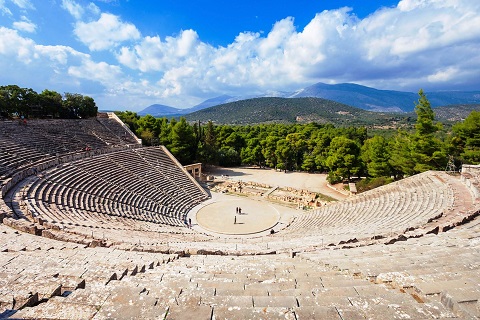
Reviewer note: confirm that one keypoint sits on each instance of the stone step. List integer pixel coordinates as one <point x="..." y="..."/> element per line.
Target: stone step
<point x="197" y="312"/>
<point x="235" y="312"/>
<point x="275" y="301"/>
<point x="56" y="308"/>
<point x="317" y="312"/>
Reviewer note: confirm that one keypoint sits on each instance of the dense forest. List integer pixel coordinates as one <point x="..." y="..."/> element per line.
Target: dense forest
<point x="24" y="102"/>
<point x="343" y="152"/>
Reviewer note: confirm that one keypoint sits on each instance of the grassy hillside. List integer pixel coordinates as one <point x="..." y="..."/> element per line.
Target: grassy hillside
<point x="293" y="110"/>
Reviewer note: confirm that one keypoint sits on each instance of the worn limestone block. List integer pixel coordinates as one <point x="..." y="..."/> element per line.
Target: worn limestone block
<point x="275" y="301"/>
<point x="234" y="312"/>
<point x="323" y="301"/>
<point x="319" y="312"/>
<point x="197" y="312"/>
<point x="57" y="309"/>
<point x="226" y="301"/>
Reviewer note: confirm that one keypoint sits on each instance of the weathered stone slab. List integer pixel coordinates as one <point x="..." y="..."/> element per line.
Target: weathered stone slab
<point x="335" y="292"/>
<point x="47" y="288"/>
<point x="193" y="296"/>
<point x="57" y="309"/>
<point x="324" y="313"/>
<point x="331" y="283"/>
<point x="429" y="288"/>
<point x="230" y="288"/>
<point x="89" y="296"/>
<point x="120" y="295"/>
<point x="275" y="301"/>
<point x="323" y="300"/>
<point x="166" y="295"/>
<point x="253" y="313"/>
<point x="228" y="301"/>
<point x="463" y="301"/>
<point x="144" y="307"/>
<point x="198" y="312"/>
<point x="272" y="286"/>
<point x="290" y="292"/>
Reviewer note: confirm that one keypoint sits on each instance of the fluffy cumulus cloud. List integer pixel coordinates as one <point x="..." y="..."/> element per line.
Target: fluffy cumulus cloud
<point x="53" y="67"/>
<point x="13" y="46"/>
<point x="418" y="43"/>
<point x="107" y="32"/>
<point x="97" y="71"/>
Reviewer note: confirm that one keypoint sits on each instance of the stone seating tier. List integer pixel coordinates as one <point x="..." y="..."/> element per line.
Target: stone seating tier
<point x="415" y="279"/>
<point x="84" y="199"/>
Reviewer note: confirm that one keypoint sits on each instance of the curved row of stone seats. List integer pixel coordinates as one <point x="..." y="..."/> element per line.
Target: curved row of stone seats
<point x="428" y="203"/>
<point x="248" y="287"/>
<point x="52" y="136"/>
<point x="170" y="169"/>
<point x="36" y="269"/>
<point x="22" y="145"/>
<point x="442" y="268"/>
<point x="118" y="130"/>
<point x="104" y="197"/>
<point x="120" y="183"/>
<point x="405" y="204"/>
<point x="14" y="156"/>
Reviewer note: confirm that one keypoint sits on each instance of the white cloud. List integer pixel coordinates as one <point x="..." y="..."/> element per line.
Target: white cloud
<point x="97" y="71"/>
<point x="153" y="54"/>
<point x="417" y="44"/>
<point x="25" y="25"/>
<point x="3" y="9"/>
<point x="414" y="44"/>
<point x="75" y="9"/>
<point x="107" y="32"/>
<point x="13" y="46"/>
<point x="443" y="75"/>
<point x="23" y="4"/>
<point x="59" y="68"/>
<point x="60" y="55"/>
<point x="93" y="8"/>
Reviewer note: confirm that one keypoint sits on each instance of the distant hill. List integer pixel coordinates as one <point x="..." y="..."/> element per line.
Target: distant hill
<point x="160" y="110"/>
<point x="351" y="94"/>
<point x="289" y="110"/>
<point x="211" y="102"/>
<point x="384" y="100"/>
<point x="454" y="112"/>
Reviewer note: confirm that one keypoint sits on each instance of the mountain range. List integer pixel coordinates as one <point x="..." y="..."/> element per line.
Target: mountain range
<point x="351" y="94"/>
<point x="318" y="110"/>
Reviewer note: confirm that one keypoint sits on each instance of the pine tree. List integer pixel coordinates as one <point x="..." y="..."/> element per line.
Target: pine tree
<point x="376" y="156"/>
<point x="426" y="148"/>
<point x="467" y="138"/>
<point x="343" y="159"/>
<point x="183" y="145"/>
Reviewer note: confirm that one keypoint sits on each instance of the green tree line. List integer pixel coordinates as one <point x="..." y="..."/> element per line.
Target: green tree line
<point x="341" y="152"/>
<point x="25" y="102"/>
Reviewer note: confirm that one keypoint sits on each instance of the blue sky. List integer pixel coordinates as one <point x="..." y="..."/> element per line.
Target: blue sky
<point x="128" y="54"/>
